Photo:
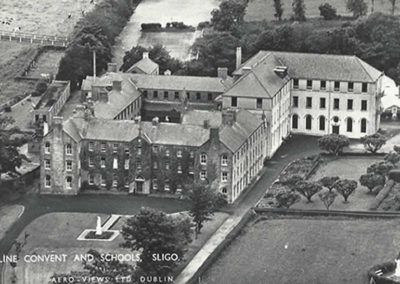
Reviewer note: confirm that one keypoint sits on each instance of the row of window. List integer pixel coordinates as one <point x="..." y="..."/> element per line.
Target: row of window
<point x="322" y="121"/>
<point x="189" y="95"/>
<point x="350" y="85"/>
<point x="336" y="103"/>
<point x="128" y="110"/>
<point x="103" y="147"/>
<point x="68" y="148"/>
<point x="68" y="181"/>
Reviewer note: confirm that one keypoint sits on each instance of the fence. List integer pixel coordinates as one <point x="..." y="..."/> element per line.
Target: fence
<point x="34" y="38"/>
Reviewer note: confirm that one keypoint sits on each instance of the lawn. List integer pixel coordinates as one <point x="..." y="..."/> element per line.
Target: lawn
<point x="47" y="63"/>
<point x="348" y="167"/>
<point x="259" y="10"/>
<point x="303" y="251"/>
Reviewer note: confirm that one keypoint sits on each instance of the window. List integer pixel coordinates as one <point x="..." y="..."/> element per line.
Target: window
<point x="259" y="103"/>
<point x="179" y="169"/>
<point x="47" y="181"/>
<point x="364" y="105"/>
<point x="115" y="183"/>
<point x="145" y="94"/>
<point x="127" y="152"/>
<point x="224" y="160"/>
<point x="102" y="181"/>
<point x="336" y="103"/>
<point x="103" y="147"/>
<point x="91" y="163"/>
<point x="363" y="125"/>
<point x="308" y="122"/>
<point x="155" y="149"/>
<point x="155" y="94"/>
<point x="91" y="146"/>
<point x="364" y="87"/>
<point x="155" y="165"/>
<point x="47" y="164"/>
<point x="68" y="149"/>
<point x="47" y="148"/>
<point x="224" y="190"/>
<point x="295" y="121"/>
<point x="91" y="179"/>
<point x="69" y="165"/>
<point x="103" y="162"/>
<point x="309" y="84"/>
<point x="203" y="159"/>
<point x="349" y="124"/>
<point x="224" y="176"/>
<point x="115" y="163"/>
<point x="139" y="151"/>
<point x="166" y="187"/>
<point x="178" y="188"/>
<point x="349" y="104"/>
<point x="323" y="85"/>
<point x="167" y="153"/>
<point x="295" y="83"/>
<point x="209" y="97"/>
<point x="322" y="103"/>
<point x="155" y="184"/>
<point x="126" y="165"/>
<point x="198" y="96"/>
<point x="191" y="154"/>
<point x="176" y="94"/>
<point x="138" y="165"/>
<point x="44" y="118"/>
<point x="69" y="182"/>
<point x="188" y="95"/>
<point x="350" y="86"/>
<point x="115" y="147"/>
<point x="308" y="102"/>
<point x="126" y="185"/>
<point x="179" y="153"/>
<point x="295" y="101"/>
<point x="167" y="165"/>
<point x="203" y="175"/>
<point x="337" y="86"/>
<point x="234" y="101"/>
<point x="322" y="123"/>
<point x="165" y="95"/>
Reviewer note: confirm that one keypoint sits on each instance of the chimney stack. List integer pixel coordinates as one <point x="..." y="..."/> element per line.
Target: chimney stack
<point x="167" y="72"/>
<point x="206" y="123"/>
<point x="111" y="67"/>
<point x="155" y="121"/>
<point x="228" y="117"/>
<point x="222" y="72"/>
<point x="214" y="135"/>
<point x="145" y="55"/>
<point x="246" y="70"/>
<point x="238" y="57"/>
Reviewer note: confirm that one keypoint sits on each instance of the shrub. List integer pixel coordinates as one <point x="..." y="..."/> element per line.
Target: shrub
<point x="308" y="189"/>
<point x="381" y="168"/>
<point x="41" y="87"/>
<point x="374" y="142"/>
<point x="371" y="180"/>
<point x="328" y="182"/>
<point x="327" y="11"/>
<point x="327" y="197"/>
<point x="287" y="198"/>
<point x="333" y="143"/>
<point x="35" y="94"/>
<point x="7" y="108"/>
<point x="151" y="27"/>
<point x="382" y="195"/>
<point x="345" y="187"/>
<point x="394" y="175"/>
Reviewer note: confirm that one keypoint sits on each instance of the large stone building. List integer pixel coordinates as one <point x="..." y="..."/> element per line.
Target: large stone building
<point x="144" y="157"/>
<point x="312" y="94"/>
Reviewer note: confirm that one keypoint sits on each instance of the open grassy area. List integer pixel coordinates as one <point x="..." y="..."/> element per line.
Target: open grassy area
<point x="304" y="251"/>
<point x="259" y="10"/>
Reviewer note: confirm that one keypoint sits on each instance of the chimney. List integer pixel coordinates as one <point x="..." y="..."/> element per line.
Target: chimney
<point x="281" y="71"/>
<point x="238" y="57"/>
<point x="155" y="121"/>
<point x="246" y="70"/>
<point x="214" y="135"/>
<point x="145" y="55"/>
<point x="167" y="72"/>
<point x="206" y="123"/>
<point x="117" y="85"/>
<point x="111" y="67"/>
<point x="228" y="117"/>
<point x="94" y="65"/>
<point x="57" y="123"/>
<point x="222" y="72"/>
<point x="137" y="119"/>
<point x="103" y="97"/>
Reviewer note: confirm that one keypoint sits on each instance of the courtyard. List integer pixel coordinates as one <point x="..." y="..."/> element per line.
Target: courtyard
<point x="300" y="250"/>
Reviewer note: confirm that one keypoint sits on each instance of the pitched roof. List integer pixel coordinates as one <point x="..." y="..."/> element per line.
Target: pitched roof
<point x="145" y="64"/>
<point x="180" y="83"/>
<point x="233" y="136"/>
<point x="52" y="94"/>
<point x="197" y="117"/>
<point x="318" y="66"/>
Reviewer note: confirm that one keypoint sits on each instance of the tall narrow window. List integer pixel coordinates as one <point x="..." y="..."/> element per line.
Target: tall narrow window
<point x="363" y="125"/>
<point x="203" y="175"/>
<point x="203" y="159"/>
<point x="364" y="87"/>
<point x="349" y="124"/>
<point x="308" y="122"/>
<point x="349" y="104"/>
<point x="69" y="165"/>
<point x="259" y="103"/>
<point x="337" y="86"/>
<point x="295" y="83"/>
<point x="322" y="123"/>
<point x="309" y="102"/>
<point x="166" y="95"/>
<point x="364" y="105"/>
<point x="309" y="84"/>
<point x="102" y="162"/>
<point x="155" y="94"/>
<point x="350" y="86"/>
<point x="126" y="165"/>
<point x="295" y="121"/>
<point x="47" y="164"/>
<point x="91" y="179"/>
<point x="224" y="160"/>
<point x="69" y="182"/>
<point x="323" y="85"/>
<point x="68" y="149"/>
<point x="322" y="103"/>
<point x="209" y="97"/>
<point x="295" y="101"/>
<point x="91" y="146"/>
<point x="234" y="101"/>
<point x="47" y="147"/>
<point x="224" y="176"/>
<point x="336" y="104"/>
<point x="47" y="181"/>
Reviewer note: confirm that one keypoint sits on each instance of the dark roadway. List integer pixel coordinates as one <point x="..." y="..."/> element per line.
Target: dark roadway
<point x="36" y="205"/>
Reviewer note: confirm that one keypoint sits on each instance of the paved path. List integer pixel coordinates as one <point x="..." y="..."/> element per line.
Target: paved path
<point x="298" y="146"/>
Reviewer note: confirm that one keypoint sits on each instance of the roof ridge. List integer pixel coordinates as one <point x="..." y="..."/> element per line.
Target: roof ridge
<point x="363" y="67"/>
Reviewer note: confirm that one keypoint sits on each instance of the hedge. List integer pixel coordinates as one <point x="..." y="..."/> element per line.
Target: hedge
<point x="382" y="194"/>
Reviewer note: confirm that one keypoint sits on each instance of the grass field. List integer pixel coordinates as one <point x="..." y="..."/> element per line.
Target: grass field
<point x="305" y="251"/>
<point x="259" y="10"/>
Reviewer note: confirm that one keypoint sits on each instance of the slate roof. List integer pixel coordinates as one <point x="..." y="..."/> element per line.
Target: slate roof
<point x="233" y="136"/>
<point x="318" y="66"/>
<point x="145" y="64"/>
<point x="179" y="83"/>
<point x="197" y="117"/>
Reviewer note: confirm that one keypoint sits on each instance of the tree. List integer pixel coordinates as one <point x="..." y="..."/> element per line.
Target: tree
<point x="278" y="6"/>
<point x="345" y="187"/>
<point x="327" y="197"/>
<point x="327" y="11"/>
<point x="328" y="182"/>
<point x="228" y="16"/>
<point x="291" y="181"/>
<point x="393" y="2"/>
<point x="392" y="157"/>
<point x="371" y="180"/>
<point x="154" y="232"/>
<point x="374" y="142"/>
<point x="308" y="189"/>
<point x="287" y="198"/>
<point x="396" y="149"/>
<point x="299" y="10"/>
<point x="333" y="143"/>
<point x="380" y="168"/>
<point x="357" y="7"/>
<point x="202" y="204"/>
<point x="41" y="87"/>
